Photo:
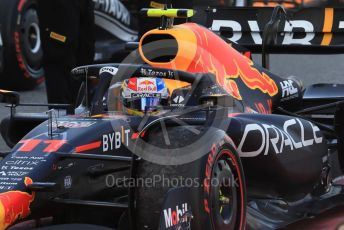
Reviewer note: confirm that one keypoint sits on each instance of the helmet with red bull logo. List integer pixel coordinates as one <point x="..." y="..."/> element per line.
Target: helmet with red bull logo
<point x="140" y="96"/>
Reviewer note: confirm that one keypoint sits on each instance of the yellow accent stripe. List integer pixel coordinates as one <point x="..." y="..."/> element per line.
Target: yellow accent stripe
<point x="58" y="37"/>
<point x="122" y="134"/>
<point x="171" y="13"/>
<point x="157" y="5"/>
<point x="327" y="29"/>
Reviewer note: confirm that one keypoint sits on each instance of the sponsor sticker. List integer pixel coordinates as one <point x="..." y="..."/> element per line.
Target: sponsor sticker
<point x="110" y="70"/>
<point x="288" y="90"/>
<point x="73" y="124"/>
<point x="277" y="140"/>
<point x="58" y="37"/>
<point x="68" y="181"/>
<point x="146" y="72"/>
<point x="115" y="140"/>
<point x="144" y="95"/>
<point x="174" y="216"/>
<point x="146" y="85"/>
<point x="157" y="5"/>
<point x="178" y="99"/>
<point x="22" y="163"/>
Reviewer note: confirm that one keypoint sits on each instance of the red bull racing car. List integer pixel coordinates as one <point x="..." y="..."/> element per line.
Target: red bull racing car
<point x="187" y="133"/>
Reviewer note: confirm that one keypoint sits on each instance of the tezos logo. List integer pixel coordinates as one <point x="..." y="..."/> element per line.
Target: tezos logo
<point x="155" y="73"/>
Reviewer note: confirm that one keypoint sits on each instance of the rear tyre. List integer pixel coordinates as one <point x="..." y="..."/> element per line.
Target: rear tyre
<point x="220" y="199"/>
<point x="22" y="64"/>
<point x="225" y="196"/>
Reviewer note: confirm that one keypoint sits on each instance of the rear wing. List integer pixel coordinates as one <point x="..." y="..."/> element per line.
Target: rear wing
<point x="309" y="30"/>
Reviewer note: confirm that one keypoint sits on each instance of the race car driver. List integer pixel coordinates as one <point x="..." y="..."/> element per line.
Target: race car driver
<point x="67" y="35"/>
<point x="141" y="96"/>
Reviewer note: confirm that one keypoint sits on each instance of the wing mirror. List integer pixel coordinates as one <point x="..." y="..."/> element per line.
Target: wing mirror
<point x="9" y="97"/>
<point x="222" y="100"/>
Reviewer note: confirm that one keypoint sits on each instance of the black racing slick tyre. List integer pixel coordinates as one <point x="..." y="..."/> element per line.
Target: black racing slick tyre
<point x="219" y="200"/>
<point x="22" y="62"/>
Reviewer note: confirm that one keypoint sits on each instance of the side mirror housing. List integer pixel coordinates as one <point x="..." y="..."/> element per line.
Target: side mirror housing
<point x="222" y="100"/>
<point x="9" y="97"/>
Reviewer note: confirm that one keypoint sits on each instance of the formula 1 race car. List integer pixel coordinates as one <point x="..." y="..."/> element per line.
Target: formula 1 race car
<point x="233" y="147"/>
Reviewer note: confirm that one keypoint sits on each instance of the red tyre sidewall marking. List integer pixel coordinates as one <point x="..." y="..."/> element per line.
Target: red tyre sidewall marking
<point x="18" y="49"/>
<point x="20" y="5"/>
<point x="236" y="164"/>
<point x="209" y="171"/>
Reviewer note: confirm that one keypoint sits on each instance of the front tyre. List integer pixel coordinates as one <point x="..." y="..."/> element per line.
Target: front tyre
<point x="22" y="64"/>
<point x="219" y="202"/>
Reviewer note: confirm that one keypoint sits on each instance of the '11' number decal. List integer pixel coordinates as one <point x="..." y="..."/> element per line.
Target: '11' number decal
<point x="51" y="145"/>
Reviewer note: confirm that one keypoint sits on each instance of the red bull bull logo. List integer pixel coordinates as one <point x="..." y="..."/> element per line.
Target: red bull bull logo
<point x="145" y="85"/>
<point x="15" y="205"/>
<point x="147" y="82"/>
<point x="227" y="64"/>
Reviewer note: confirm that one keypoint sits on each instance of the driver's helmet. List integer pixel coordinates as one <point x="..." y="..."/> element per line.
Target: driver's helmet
<point x="140" y="96"/>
